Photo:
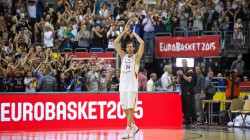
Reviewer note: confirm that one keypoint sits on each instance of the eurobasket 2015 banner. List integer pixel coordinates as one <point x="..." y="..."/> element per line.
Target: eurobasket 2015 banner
<point x="187" y="46"/>
<point x="74" y="111"/>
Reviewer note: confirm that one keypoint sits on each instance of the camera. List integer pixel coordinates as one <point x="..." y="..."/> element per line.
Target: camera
<point x="228" y="73"/>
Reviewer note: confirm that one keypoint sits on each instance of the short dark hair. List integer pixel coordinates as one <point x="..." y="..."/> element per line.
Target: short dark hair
<point x="239" y="53"/>
<point x="93" y="65"/>
<point x="141" y="69"/>
<point x="102" y="70"/>
<point x="184" y="60"/>
<point x="130" y="42"/>
<point x="76" y="71"/>
<point x="198" y="66"/>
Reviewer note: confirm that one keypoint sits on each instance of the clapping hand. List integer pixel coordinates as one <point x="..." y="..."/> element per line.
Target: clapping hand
<point x="179" y="72"/>
<point x="127" y="26"/>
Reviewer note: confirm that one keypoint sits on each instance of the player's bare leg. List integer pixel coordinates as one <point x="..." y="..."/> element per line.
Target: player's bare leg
<point x="127" y="130"/>
<point x="126" y="112"/>
<point x="130" y="122"/>
<point x="130" y="117"/>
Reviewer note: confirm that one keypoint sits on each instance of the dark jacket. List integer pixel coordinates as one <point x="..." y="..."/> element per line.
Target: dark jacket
<point x="62" y="85"/>
<point x="47" y="84"/>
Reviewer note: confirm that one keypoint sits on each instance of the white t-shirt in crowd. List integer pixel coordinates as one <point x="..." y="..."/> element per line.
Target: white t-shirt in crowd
<point x="29" y="88"/>
<point x="48" y="38"/>
<point x="32" y="11"/>
<point x="75" y="31"/>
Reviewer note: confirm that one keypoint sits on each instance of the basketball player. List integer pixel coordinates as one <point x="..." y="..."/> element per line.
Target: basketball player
<point x="129" y="79"/>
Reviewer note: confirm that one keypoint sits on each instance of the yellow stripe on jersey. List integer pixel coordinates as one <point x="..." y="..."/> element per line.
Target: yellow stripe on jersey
<point x="136" y="75"/>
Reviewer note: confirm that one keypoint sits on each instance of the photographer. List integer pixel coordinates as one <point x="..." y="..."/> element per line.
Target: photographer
<point x="233" y="85"/>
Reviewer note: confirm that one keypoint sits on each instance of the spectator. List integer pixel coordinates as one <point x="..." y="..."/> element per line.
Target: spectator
<point x="245" y="79"/>
<point x="83" y="36"/>
<point x="198" y="19"/>
<point x="31" y="8"/>
<point x="97" y="37"/>
<point x="30" y="82"/>
<point x="238" y="35"/>
<point x="77" y="83"/>
<point x="221" y="82"/>
<point x="104" y="80"/>
<point x="230" y="12"/>
<point x="115" y="81"/>
<point x="48" y="38"/>
<point x="167" y="22"/>
<point x="111" y="35"/>
<point x="167" y="80"/>
<point x="39" y="9"/>
<point x="199" y="93"/>
<point x="93" y="79"/>
<point x="223" y="21"/>
<point x="239" y="64"/>
<point x="17" y="82"/>
<point x="148" y="25"/>
<point x="111" y="71"/>
<point x="2" y="83"/>
<point x="103" y="11"/>
<point x="175" y="21"/>
<point x="209" y="16"/>
<point x="151" y="82"/>
<point x="142" y="80"/>
<point x="47" y="83"/>
<point x="210" y="89"/>
<point x="215" y="27"/>
<point x="241" y="12"/>
<point x="158" y="23"/>
<point x="62" y="83"/>
<point x="183" y="16"/>
<point x="68" y="38"/>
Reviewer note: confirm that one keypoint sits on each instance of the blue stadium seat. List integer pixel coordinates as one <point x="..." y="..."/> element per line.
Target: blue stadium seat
<point x="96" y="50"/>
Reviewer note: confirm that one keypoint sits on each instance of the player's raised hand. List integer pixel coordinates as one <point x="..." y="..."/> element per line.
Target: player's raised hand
<point x="127" y="26"/>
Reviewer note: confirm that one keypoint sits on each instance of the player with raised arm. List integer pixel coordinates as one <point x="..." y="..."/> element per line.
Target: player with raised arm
<point x="129" y="79"/>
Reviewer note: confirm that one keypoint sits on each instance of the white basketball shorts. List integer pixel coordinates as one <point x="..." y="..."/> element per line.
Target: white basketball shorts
<point x="128" y="100"/>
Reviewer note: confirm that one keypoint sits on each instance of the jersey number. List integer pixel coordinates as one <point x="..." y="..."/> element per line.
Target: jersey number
<point x="127" y="67"/>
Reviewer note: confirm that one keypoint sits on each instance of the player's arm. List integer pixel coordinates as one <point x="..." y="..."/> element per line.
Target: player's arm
<point x="141" y="48"/>
<point x="117" y="40"/>
<point x="118" y="47"/>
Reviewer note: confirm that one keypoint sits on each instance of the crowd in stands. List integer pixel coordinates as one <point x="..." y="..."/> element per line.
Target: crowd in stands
<point x="30" y="30"/>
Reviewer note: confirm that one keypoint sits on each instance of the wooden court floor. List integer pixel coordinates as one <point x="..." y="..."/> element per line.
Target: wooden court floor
<point x="188" y="133"/>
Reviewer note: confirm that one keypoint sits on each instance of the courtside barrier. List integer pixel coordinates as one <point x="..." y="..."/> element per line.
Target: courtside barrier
<point x="75" y="111"/>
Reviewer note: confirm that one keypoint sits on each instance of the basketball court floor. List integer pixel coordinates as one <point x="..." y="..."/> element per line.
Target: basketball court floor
<point x="187" y="133"/>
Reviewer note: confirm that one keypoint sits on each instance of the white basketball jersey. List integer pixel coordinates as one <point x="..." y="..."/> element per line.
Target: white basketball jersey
<point x="129" y="74"/>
